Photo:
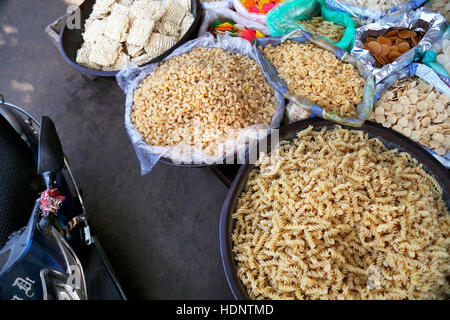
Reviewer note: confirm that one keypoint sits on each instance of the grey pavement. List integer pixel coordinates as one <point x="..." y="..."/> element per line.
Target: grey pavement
<point x="159" y="231"/>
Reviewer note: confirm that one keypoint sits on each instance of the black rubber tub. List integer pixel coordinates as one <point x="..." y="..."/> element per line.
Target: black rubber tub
<point x="389" y="137"/>
<point x="70" y="40"/>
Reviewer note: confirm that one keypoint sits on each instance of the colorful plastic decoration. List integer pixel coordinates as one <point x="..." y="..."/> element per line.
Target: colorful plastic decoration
<point x="259" y="6"/>
<point x="235" y="30"/>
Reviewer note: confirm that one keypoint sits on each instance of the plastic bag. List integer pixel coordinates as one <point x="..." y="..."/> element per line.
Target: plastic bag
<point x="282" y="19"/>
<point x="223" y="4"/>
<point x="433" y="57"/>
<point x="366" y="15"/>
<point x="223" y="15"/>
<point x="129" y="79"/>
<point x="257" y="17"/>
<point x="298" y="104"/>
<point x="431" y="23"/>
<point x="426" y="74"/>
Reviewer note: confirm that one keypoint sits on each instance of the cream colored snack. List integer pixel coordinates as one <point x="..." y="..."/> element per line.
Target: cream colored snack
<point x="136" y="25"/>
<point x="326" y="29"/>
<point x="417" y="110"/>
<point x="104" y="51"/>
<point x="378" y="5"/>
<point x="83" y="57"/>
<point x="202" y="98"/>
<point x="140" y="32"/>
<point x="118" y="23"/>
<point x="317" y="74"/>
<point x="339" y="216"/>
<point x="158" y="44"/>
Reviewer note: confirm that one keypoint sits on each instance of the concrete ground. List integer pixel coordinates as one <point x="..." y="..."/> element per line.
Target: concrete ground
<point x="160" y="231"/>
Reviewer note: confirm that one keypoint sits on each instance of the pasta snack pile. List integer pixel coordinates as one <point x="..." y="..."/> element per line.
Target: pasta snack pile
<point x="340" y="216"/>
<point x="119" y="31"/>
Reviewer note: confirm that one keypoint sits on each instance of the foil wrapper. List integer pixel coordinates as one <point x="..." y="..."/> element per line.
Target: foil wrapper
<point x="421" y="20"/>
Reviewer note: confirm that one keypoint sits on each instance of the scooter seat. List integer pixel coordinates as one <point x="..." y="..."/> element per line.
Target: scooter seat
<point x="17" y="176"/>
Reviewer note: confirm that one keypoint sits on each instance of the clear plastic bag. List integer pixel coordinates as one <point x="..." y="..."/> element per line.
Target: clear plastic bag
<point x="223" y="15"/>
<point x="129" y="79"/>
<point x="282" y="19"/>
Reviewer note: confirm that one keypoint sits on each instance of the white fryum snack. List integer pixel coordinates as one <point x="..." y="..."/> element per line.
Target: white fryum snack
<point x="174" y="13"/>
<point x="135" y="51"/>
<point x="167" y="28"/>
<point x="121" y="60"/>
<point x="83" y="57"/>
<point x="105" y="51"/>
<point x="187" y="23"/>
<point x="140" y="32"/>
<point x="126" y="3"/>
<point x="159" y="43"/>
<point x="100" y="10"/>
<point x="94" y="30"/>
<point x="142" y="59"/>
<point x="118" y="23"/>
<point x="184" y="3"/>
<point x="147" y="9"/>
<point x="379" y="5"/>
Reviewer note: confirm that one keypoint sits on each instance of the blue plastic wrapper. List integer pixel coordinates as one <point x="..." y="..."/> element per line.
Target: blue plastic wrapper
<point x="301" y="106"/>
<point x="426" y="74"/>
<point x="421" y="20"/>
<point x="366" y="15"/>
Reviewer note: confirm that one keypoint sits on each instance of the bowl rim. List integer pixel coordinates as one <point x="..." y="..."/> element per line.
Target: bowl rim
<point x="226" y="222"/>
<point x="100" y="73"/>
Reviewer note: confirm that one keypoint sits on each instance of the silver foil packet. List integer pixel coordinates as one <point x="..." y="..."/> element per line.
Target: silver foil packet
<point x="421" y="20"/>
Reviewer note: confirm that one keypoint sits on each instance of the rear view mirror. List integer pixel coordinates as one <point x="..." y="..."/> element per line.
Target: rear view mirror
<point x="51" y="155"/>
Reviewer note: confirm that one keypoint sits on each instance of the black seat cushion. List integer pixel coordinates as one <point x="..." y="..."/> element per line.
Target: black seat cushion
<point x="17" y="177"/>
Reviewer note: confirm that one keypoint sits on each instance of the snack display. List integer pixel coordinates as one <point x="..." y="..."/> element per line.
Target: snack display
<point x="202" y="98"/>
<point x="417" y="110"/>
<point x="117" y="32"/>
<point x="326" y="29"/>
<point x="334" y="214"/>
<point x="235" y="30"/>
<point x="378" y="5"/>
<point x="388" y="47"/>
<point x="317" y="74"/>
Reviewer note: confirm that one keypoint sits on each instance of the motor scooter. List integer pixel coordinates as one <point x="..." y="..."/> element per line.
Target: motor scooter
<point x="47" y="248"/>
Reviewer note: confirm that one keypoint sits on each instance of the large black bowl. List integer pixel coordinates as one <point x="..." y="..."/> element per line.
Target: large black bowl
<point x="70" y="40"/>
<point x="391" y="140"/>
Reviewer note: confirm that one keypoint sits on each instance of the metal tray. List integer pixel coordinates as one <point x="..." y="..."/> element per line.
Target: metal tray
<point x="389" y="137"/>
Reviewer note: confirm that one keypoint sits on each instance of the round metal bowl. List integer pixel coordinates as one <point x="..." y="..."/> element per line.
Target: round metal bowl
<point x="70" y="40"/>
<point x="391" y="140"/>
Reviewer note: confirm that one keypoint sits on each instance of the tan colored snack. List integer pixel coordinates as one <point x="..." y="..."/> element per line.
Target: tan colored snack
<point x="202" y="98"/>
<point x="417" y="110"/>
<point x="326" y="29"/>
<point x="316" y="73"/>
<point x="340" y="216"/>
<point x="174" y="13"/>
<point x="158" y="44"/>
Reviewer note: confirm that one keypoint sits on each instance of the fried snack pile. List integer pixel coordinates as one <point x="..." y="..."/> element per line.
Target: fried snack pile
<point x="119" y="31"/>
<point x="202" y="98"/>
<point x="317" y="74"/>
<point x="391" y="45"/>
<point x="337" y="215"/>
<point x="378" y="5"/>
<point x="417" y="110"/>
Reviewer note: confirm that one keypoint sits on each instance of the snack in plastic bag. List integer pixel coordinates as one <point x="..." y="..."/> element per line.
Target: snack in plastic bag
<point x="420" y="21"/>
<point x="291" y="15"/>
<point x="199" y="104"/>
<point x="254" y="10"/>
<point x="317" y="77"/>
<point x="416" y="103"/>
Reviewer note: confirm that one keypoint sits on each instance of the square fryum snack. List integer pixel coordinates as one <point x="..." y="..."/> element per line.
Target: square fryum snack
<point x="118" y="31"/>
